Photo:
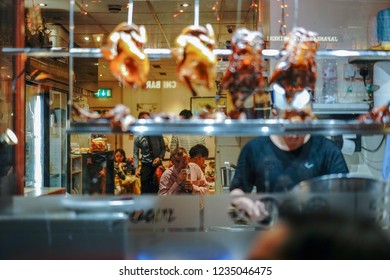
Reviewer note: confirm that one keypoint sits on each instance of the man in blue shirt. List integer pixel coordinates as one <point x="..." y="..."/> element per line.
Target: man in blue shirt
<point x="278" y="162"/>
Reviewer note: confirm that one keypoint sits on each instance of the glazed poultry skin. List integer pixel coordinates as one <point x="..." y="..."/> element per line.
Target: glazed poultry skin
<point x="379" y="114"/>
<point x="244" y="74"/>
<point x="193" y="52"/>
<point x="297" y="69"/>
<point x="119" y="116"/>
<point x="124" y="49"/>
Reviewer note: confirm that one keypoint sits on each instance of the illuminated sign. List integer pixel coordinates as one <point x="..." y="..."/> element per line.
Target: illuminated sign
<point x="161" y="84"/>
<point x="103" y="93"/>
<point x="331" y="39"/>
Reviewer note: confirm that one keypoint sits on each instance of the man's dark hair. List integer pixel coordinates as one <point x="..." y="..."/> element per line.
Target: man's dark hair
<point x="178" y="152"/>
<point x="199" y="150"/>
<point x="142" y="114"/>
<point x="186" y="114"/>
<point x="122" y="152"/>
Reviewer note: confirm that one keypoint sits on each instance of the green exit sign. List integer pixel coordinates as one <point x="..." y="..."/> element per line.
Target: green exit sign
<point x="103" y="93"/>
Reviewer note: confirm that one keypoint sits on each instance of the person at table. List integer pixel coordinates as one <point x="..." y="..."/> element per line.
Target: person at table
<point x="199" y="154"/>
<point x="183" y="177"/>
<point x="126" y="182"/>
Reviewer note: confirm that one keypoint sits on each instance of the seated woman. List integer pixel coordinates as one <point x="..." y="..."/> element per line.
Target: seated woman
<point x="126" y="182"/>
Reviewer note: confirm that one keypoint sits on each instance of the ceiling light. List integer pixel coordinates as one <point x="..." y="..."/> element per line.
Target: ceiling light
<point x="42" y="5"/>
<point x="185" y="5"/>
<point x="98" y="39"/>
<point x="86" y="38"/>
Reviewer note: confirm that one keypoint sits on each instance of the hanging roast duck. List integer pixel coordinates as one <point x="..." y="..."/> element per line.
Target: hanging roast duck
<point x="124" y="50"/>
<point x="193" y="52"/>
<point x="244" y="74"/>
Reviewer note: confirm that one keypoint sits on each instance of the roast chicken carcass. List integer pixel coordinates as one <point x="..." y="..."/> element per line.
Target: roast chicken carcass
<point x="193" y="52"/>
<point x="244" y="74"/>
<point x="119" y="116"/>
<point x="124" y="49"/>
<point x="297" y="70"/>
<point x="378" y="114"/>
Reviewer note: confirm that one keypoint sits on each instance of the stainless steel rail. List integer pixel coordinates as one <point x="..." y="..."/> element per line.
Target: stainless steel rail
<point x="166" y="53"/>
<point x="258" y="127"/>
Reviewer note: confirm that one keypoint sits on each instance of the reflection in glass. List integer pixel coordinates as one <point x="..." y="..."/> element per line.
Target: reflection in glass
<point x="34" y="139"/>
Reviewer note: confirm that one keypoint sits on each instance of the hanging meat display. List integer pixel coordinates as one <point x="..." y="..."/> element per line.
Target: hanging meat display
<point x="124" y="50"/>
<point x="378" y="114"/>
<point x="293" y="80"/>
<point x="244" y="74"/>
<point x="193" y="52"/>
<point x="119" y="116"/>
<point x="297" y="69"/>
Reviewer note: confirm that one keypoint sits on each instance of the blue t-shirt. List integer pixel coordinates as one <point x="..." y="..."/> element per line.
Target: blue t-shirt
<point x="270" y="169"/>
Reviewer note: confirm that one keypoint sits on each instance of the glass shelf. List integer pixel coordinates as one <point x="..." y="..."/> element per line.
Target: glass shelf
<point x="226" y="127"/>
<point x="257" y="127"/>
<point x="154" y="54"/>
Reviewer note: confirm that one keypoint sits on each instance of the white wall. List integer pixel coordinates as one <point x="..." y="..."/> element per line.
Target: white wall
<point x="347" y="19"/>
